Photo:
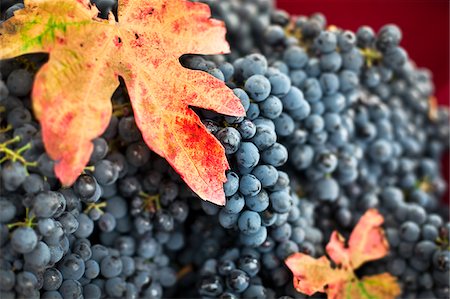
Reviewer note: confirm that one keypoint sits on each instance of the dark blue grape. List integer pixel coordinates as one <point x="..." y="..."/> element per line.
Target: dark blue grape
<point x="249" y="222"/>
<point x="115" y="287"/>
<point x="210" y="286"/>
<point x="72" y="267"/>
<point x="235" y="203"/>
<point x="249" y="185"/>
<point x="274" y="34"/>
<point x="247" y="155"/>
<point x="100" y="147"/>
<point x="365" y="36"/>
<point x="352" y="60"/>
<point x="254" y="239"/>
<point x="39" y="257"/>
<point x="26" y="283"/>
<point x="85" y="186"/>
<point x="19" y="82"/>
<point x="92" y="291"/>
<point x="238" y="281"/>
<point x="106" y="172"/>
<point x="409" y="231"/>
<point x="348" y="80"/>
<point x="330" y="62"/>
<point x="389" y="36"/>
<point x="52" y="279"/>
<point x="24" y="239"/>
<point x="230" y="139"/>
<point x="294" y="99"/>
<point x="295" y="57"/>
<point x="346" y="40"/>
<point x="249" y="265"/>
<point x="327" y="189"/>
<point x="247" y="129"/>
<point x="271" y="107"/>
<point x="280" y="84"/>
<point x="326" y="42"/>
<point x="7" y="210"/>
<point x="242" y="95"/>
<point x="258" y="87"/>
<point x="275" y="155"/>
<point x="71" y="289"/>
<point x="227" y="70"/>
<point x="254" y="64"/>
<point x="7" y="280"/>
<point x="13" y="175"/>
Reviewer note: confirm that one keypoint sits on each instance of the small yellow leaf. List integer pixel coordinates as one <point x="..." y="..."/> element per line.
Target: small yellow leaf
<point x="367" y="243"/>
<point x="315" y="275"/>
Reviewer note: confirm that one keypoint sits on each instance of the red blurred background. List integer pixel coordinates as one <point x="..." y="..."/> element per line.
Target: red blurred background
<point x="424" y="23"/>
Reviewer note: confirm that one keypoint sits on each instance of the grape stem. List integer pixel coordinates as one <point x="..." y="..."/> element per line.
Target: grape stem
<point x="184" y="271"/>
<point x="121" y="109"/>
<point x="371" y="56"/>
<point x="151" y="202"/>
<point x="300" y="192"/>
<point x="29" y="65"/>
<point x="28" y="222"/>
<point x="94" y="205"/>
<point x="8" y="127"/>
<point x="89" y="168"/>
<point x="443" y="243"/>
<point x="225" y="124"/>
<point x="425" y="185"/>
<point x="291" y="30"/>
<point x="15" y="155"/>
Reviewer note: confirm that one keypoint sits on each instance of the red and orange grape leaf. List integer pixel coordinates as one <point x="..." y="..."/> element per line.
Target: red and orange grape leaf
<point x="71" y="94"/>
<point x="367" y="243"/>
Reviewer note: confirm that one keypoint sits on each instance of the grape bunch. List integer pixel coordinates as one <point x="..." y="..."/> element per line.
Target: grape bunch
<point x="336" y="123"/>
<point x="358" y="120"/>
<point x="109" y="234"/>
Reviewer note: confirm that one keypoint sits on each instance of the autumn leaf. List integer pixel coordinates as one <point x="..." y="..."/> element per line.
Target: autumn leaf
<point x="380" y="286"/>
<point x="72" y="92"/>
<point x="310" y="273"/>
<point x="367" y="243"/>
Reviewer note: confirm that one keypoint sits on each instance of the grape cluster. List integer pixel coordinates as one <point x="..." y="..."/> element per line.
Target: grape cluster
<point x="226" y="268"/>
<point x="369" y="136"/>
<point x="358" y="120"/>
<point x="260" y="205"/>
<point x="390" y="156"/>
<point x="250" y="142"/>
<point x="109" y="234"/>
<point x="336" y="123"/>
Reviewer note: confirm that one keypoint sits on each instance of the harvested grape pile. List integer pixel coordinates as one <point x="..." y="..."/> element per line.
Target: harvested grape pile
<point x="336" y="123"/>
